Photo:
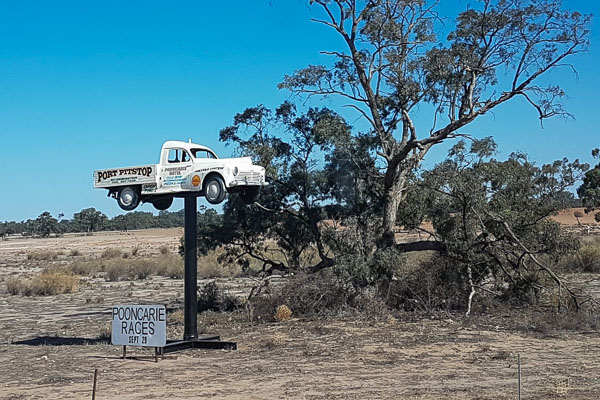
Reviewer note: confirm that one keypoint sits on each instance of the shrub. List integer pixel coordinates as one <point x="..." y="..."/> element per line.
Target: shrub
<point x="318" y="294"/>
<point x="47" y="283"/>
<point x="429" y="285"/>
<point x="282" y="313"/>
<point x="51" y="282"/>
<point x="586" y="259"/>
<point x="164" y="250"/>
<point x="116" y="272"/>
<point x="84" y="268"/>
<point x="134" y="269"/>
<point x="135" y="251"/>
<point x="141" y="269"/>
<point x="74" y="252"/>
<point x="14" y="285"/>
<point x="209" y="266"/>
<point x="174" y="271"/>
<point x="212" y="298"/>
<point x="42" y="256"/>
<point x="111" y="253"/>
<point x="170" y="266"/>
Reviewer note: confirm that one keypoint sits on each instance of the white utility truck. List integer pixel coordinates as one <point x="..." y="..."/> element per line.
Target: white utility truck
<point x="184" y="168"/>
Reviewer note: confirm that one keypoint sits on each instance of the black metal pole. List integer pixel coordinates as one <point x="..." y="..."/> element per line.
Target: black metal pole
<point x="190" y="331"/>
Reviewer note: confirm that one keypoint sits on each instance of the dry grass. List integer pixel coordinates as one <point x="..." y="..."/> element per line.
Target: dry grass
<point x="14" y="285"/>
<point x="210" y="267"/>
<point x="283" y="313"/>
<point x="111" y="253"/>
<point x="140" y="269"/>
<point x="586" y="259"/>
<point x="48" y="283"/>
<point x="43" y="255"/>
<point x="74" y="253"/>
<point x="117" y="269"/>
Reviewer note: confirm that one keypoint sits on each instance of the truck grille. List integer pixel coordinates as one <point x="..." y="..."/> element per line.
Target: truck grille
<point x="248" y="176"/>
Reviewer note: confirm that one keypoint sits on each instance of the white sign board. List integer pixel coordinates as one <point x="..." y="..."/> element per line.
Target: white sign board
<point x="137" y="325"/>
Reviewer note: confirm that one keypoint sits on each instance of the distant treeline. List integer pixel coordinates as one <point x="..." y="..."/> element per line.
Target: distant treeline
<point x="92" y="220"/>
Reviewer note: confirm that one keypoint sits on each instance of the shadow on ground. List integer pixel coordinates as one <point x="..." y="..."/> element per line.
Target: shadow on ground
<point x="62" y="341"/>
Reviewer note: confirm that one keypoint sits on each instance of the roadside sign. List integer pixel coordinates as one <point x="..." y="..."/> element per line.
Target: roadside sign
<point x="139" y="325"/>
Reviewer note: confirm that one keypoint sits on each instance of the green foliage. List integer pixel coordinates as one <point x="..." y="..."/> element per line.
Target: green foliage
<point x="315" y="174"/>
<point x="89" y="219"/>
<point x="492" y="215"/>
<point x="585" y="259"/>
<point x="360" y="263"/>
<point x="589" y="191"/>
<point x="45" y="225"/>
<point x="211" y="297"/>
<point x="393" y="62"/>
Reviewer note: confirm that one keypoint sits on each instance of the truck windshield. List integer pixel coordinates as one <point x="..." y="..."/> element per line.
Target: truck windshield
<point x="202" y="153"/>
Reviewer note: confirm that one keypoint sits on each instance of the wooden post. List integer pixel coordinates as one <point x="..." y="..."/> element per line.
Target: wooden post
<point x="94" y="387"/>
<point x="519" y="368"/>
<point x="124" y="352"/>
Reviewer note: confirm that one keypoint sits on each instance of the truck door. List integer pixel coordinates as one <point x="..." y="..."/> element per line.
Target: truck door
<point x="176" y="169"/>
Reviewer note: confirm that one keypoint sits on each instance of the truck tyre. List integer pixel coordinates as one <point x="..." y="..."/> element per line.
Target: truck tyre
<point x="163" y="203"/>
<point x="214" y="189"/>
<point x="128" y="198"/>
<point x="250" y="195"/>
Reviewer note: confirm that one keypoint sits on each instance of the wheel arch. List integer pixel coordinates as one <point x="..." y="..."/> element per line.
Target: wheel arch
<point x="210" y="175"/>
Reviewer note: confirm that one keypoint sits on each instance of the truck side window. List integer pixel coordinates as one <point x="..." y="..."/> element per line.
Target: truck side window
<point x="173" y="156"/>
<point x="203" y="154"/>
<point x="184" y="156"/>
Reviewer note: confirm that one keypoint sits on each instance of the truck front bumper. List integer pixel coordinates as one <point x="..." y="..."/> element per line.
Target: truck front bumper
<point x="247" y="182"/>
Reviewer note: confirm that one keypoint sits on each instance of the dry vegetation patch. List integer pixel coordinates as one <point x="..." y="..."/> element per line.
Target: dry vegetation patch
<point x="46" y="255"/>
<point x="118" y="269"/>
<point x="49" y="282"/>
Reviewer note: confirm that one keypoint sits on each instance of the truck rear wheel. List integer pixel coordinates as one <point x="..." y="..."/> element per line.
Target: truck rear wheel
<point x="214" y="189"/>
<point x="128" y="198"/>
<point x="163" y="203"/>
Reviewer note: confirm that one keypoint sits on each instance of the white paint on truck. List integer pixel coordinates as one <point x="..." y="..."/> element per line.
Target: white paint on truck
<point x="183" y="167"/>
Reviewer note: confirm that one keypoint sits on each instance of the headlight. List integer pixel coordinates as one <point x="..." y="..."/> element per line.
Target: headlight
<point x="235" y="171"/>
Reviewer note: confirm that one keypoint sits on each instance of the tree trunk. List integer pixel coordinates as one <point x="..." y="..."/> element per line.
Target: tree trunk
<point x="390" y="209"/>
<point x="394" y="186"/>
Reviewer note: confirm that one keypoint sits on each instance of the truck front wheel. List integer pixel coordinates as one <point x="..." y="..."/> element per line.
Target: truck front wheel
<point x="128" y="198"/>
<point x="214" y="189"/>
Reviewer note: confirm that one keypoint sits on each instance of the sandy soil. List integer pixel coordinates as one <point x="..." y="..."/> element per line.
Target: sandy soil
<point x="567" y="217"/>
<point x="50" y="346"/>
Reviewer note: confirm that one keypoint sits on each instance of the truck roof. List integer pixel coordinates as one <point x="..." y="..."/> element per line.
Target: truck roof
<point x="184" y="145"/>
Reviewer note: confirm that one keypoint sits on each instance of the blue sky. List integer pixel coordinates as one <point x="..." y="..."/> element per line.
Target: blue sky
<point x="100" y="84"/>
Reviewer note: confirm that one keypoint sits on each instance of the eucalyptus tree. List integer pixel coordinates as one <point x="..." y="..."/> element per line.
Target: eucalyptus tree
<point x="45" y="225"/>
<point x="589" y="191"/>
<point x="394" y="60"/>
<point x="492" y="220"/>
<point x="303" y="154"/>
<point x="89" y="219"/>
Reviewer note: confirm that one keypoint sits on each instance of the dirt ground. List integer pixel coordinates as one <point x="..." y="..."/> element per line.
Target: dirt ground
<point x="50" y="346"/>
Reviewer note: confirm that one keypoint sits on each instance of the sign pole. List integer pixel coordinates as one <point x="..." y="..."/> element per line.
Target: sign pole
<point x="190" y="301"/>
<point x="190" y="331"/>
